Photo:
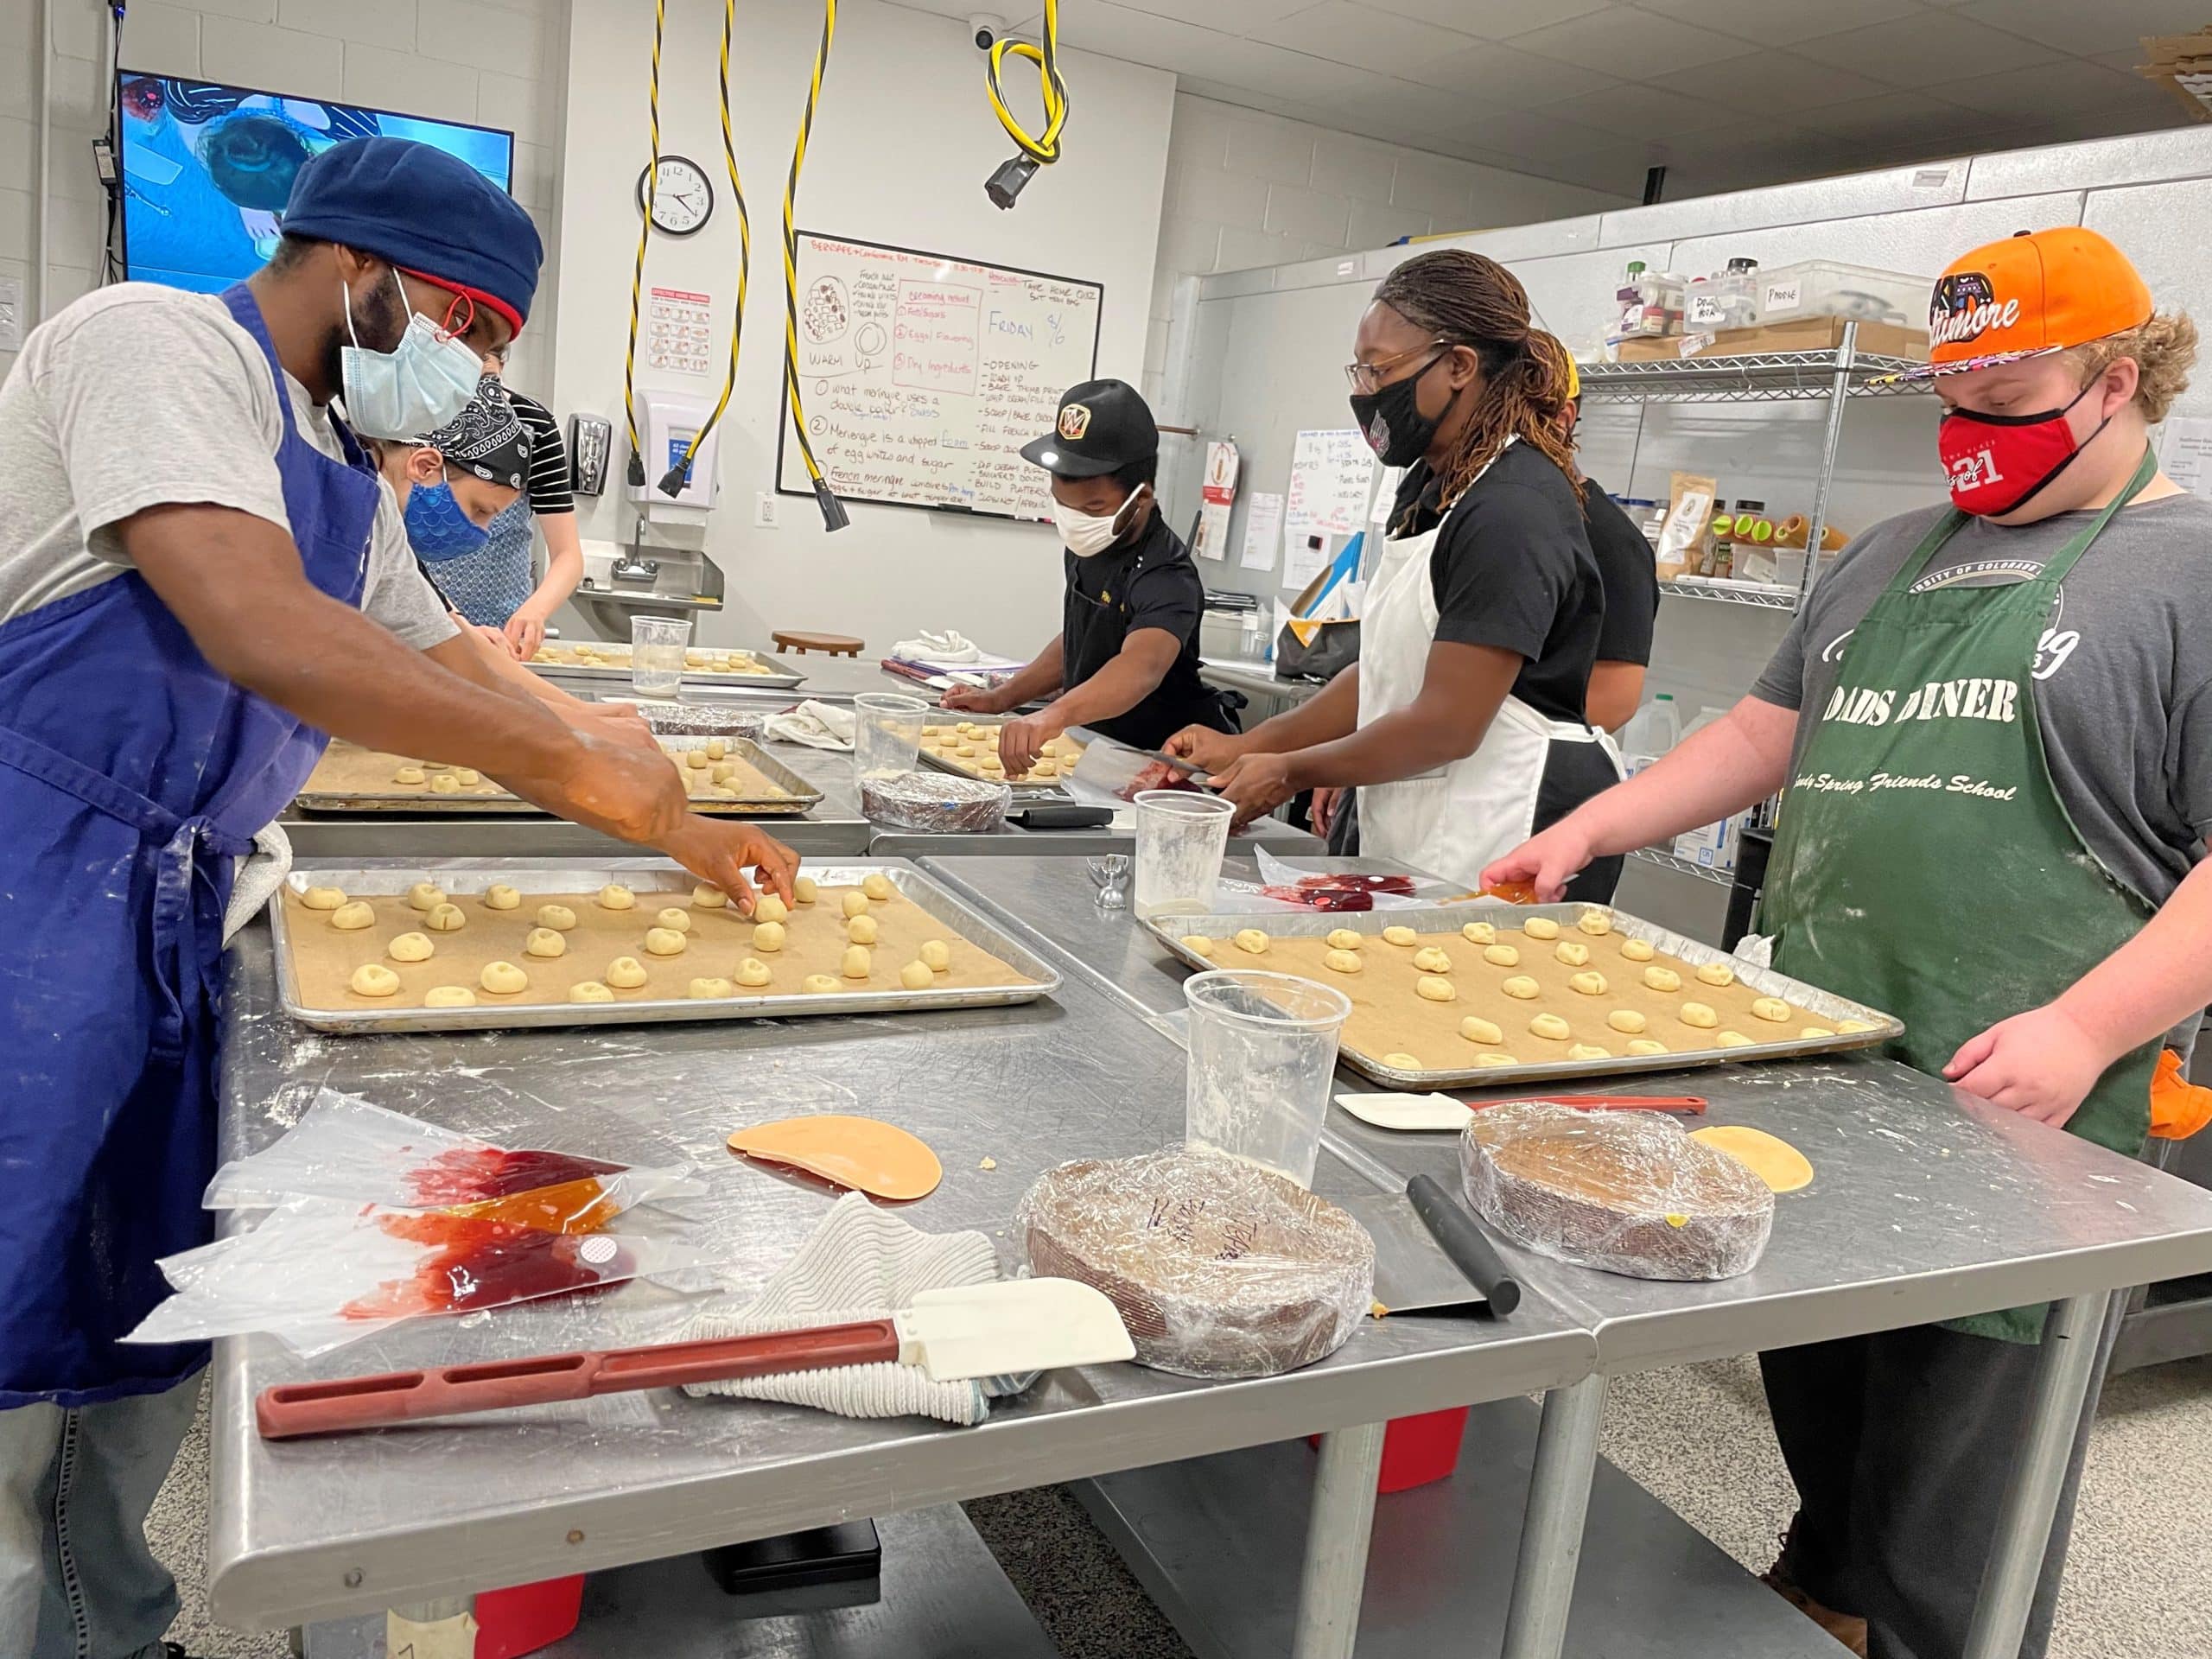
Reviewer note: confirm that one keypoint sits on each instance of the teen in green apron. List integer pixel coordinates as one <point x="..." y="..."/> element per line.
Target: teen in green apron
<point x="1925" y="863"/>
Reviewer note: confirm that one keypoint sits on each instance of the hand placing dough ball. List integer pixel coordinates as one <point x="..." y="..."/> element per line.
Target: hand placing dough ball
<point x="819" y="985"/>
<point x="854" y="903"/>
<point x="1715" y="973"/>
<point x="1696" y="1014"/>
<point x="1522" y="988"/>
<point x="615" y="896"/>
<point x="410" y="947"/>
<point x="626" y="972"/>
<point x="500" y="896"/>
<point x="936" y="955"/>
<point x="878" y="886"/>
<point x="1550" y="1027"/>
<point x="1816" y="1031"/>
<point x="1495" y="1059"/>
<point x="1430" y="960"/>
<point x="1663" y="979"/>
<point x="1646" y="1046"/>
<point x="447" y="917"/>
<point x="323" y="898"/>
<point x="1343" y="938"/>
<point x="546" y="942"/>
<point x="558" y="917"/>
<point x="351" y="917"/>
<point x="754" y="972"/>
<point x="1573" y="952"/>
<point x="1540" y="927"/>
<point x="1479" y="933"/>
<point x="699" y="991"/>
<point x="1400" y="936"/>
<point x="1251" y="941"/>
<point x="862" y="930"/>
<point x="502" y="978"/>
<point x="373" y="979"/>
<point x="769" y="908"/>
<point x="917" y="976"/>
<point x="768" y="937"/>
<point x="1402" y="1061"/>
<point x="1731" y="1039"/>
<point x="1589" y="983"/>
<point x="449" y="996"/>
<point x="1478" y="1030"/>
<point x="1637" y="949"/>
<point x="1500" y="955"/>
<point x="1342" y="961"/>
<point x="411" y="775"/>
<point x="445" y="784"/>
<point x="425" y="895"/>
<point x="590" y="990"/>
<point x="804" y="889"/>
<point x="1430" y="989"/>
<point x="1627" y="1020"/>
<point x="1772" y="1009"/>
<point x="856" y="963"/>
<point x="1589" y="1052"/>
<point x="1595" y="921"/>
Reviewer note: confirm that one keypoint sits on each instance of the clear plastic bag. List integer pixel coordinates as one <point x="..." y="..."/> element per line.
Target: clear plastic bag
<point x="1220" y="1268"/>
<point x="343" y="1148"/>
<point x="934" y="802"/>
<point x="1627" y="1191"/>
<point x="318" y="1274"/>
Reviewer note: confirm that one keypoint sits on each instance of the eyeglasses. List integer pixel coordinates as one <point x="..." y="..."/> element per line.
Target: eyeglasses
<point x="1367" y="377"/>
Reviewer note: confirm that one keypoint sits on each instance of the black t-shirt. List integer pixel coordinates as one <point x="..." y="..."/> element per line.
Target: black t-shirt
<point x="1149" y="583"/>
<point x="1630" y="574"/>
<point x="1513" y="568"/>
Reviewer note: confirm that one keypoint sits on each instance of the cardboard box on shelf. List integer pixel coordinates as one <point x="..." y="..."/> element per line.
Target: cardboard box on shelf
<point x="1715" y="846"/>
<point x="1805" y="335"/>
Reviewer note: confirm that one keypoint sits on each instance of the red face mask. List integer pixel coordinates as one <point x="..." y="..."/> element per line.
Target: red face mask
<point x="1996" y="463"/>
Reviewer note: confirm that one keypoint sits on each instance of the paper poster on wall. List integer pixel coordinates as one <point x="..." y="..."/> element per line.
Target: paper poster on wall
<point x="1331" y="480"/>
<point x="1304" y="554"/>
<point x="1213" y="530"/>
<point x="679" y="331"/>
<point x="1217" y="494"/>
<point x="2185" y="452"/>
<point x="1262" y="530"/>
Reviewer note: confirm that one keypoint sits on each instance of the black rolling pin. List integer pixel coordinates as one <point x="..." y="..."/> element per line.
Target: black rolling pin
<point x="1459" y="1237"/>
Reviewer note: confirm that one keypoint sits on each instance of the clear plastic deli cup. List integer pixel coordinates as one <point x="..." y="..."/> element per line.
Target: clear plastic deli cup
<point x="656" y="646"/>
<point x="887" y="732"/>
<point x="1181" y="836"/>
<point x="1262" y="1057"/>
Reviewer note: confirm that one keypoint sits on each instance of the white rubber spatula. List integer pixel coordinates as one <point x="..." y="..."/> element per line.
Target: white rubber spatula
<point x="1009" y="1327"/>
<point x="1407" y="1111"/>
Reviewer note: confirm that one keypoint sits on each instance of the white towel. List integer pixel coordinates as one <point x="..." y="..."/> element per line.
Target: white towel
<point x="861" y="1263"/>
<point x="934" y="649"/>
<point x="817" y="725"/>
<point x="256" y="877"/>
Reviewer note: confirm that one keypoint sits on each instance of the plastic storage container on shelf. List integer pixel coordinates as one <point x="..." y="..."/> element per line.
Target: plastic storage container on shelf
<point x="1655" y="729"/>
<point x="1826" y="288"/>
<point x="1650" y="303"/>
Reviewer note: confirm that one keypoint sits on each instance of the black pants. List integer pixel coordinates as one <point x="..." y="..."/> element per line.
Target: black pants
<point x="1901" y="1444"/>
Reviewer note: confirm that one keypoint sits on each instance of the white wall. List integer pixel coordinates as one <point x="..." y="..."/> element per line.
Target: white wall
<point x="499" y="63"/>
<point x="902" y="143"/>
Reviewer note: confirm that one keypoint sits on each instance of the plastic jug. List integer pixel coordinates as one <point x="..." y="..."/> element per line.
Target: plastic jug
<point x="1655" y="729"/>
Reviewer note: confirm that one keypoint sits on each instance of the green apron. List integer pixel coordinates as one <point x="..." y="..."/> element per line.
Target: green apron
<point x="1924" y="862"/>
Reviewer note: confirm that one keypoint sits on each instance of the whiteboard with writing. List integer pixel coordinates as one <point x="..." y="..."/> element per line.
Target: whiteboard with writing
<point x="1332" y="477"/>
<point x="924" y="375"/>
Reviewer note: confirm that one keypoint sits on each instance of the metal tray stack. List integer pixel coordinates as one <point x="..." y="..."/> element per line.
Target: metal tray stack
<point x="800" y="796"/>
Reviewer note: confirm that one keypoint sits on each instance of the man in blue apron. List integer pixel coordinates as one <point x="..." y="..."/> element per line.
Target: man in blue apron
<point x="1993" y="725"/>
<point x="195" y="585"/>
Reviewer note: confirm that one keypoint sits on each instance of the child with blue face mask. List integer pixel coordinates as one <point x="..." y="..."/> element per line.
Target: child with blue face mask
<point x="485" y="460"/>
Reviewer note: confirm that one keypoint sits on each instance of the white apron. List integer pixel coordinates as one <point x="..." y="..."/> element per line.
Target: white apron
<point x="1457" y="819"/>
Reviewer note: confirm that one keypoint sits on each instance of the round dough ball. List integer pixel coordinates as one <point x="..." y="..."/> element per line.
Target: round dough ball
<point x="410" y="775"/>
<point x="666" y="942"/>
<point x="862" y="930"/>
<point x="1430" y="960"/>
<point x="768" y="937"/>
<point x="937" y="955"/>
<point x="1573" y="952"/>
<point x="410" y="947"/>
<point x="447" y="917"/>
<point x="1500" y="955"/>
<point x="1402" y="1061"/>
<point x="1816" y="1031"/>
<point x="717" y="748"/>
<point x="546" y="942"/>
<point x="449" y="996"/>
<point x="1549" y="1027"/>
<point x="1478" y="933"/>
<point x="1343" y="938"/>
<point x="1430" y="989"/>
<point x="1495" y="1059"/>
<point x="878" y="886"/>
<point x="445" y="784"/>
<point x="425" y="895"/>
<point x="1715" y="973"/>
<point x="697" y="760"/>
<point x="1522" y="988"/>
<point x="351" y="918"/>
<point x="962" y="751"/>
<point x="503" y="977"/>
<point x="854" y="903"/>
<point x="1399" y="936"/>
<point x="1589" y="983"/>
<point x="754" y="972"/>
<point x="615" y="896"/>
<point x="674" y="918"/>
<point x="373" y="979"/>
<point x="1772" y="1009"/>
<point x="700" y="989"/>
<point x="804" y="890"/>
<point x="1251" y="941"/>
<point x="917" y="976"/>
<point x="721" y="774"/>
<point x="1476" y="1029"/>
<point x="1197" y="943"/>
<point x="1343" y="962"/>
<point x="1696" y="1014"/>
<point x="1663" y="979"/>
<point x="1589" y="1052"/>
<point x="1626" y="1020"/>
<point x="1731" y="1039"/>
<point x="1637" y="950"/>
<point x="626" y="972"/>
<point x="1540" y="927"/>
<point x="323" y="898"/>
<point x="500" y="896"/>
<point x="1044" y="769"/>
<point x="819" y="984"/>
<point x="559" y="916"/>
<point x="468" y="777"/>
<point x="1595" y="921"/>
<point x="704" y="896"/>
<point x="1856" y="1024"/>
<point x="856" y="962"/>
<point x="1646" y="1046"/>
<point x="770" y="908"/>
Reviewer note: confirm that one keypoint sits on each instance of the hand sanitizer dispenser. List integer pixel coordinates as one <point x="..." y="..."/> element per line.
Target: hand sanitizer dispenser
<point x="668" y="421"/>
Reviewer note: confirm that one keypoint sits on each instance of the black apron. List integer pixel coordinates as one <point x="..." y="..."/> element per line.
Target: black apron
<point x="1096" y="624"/>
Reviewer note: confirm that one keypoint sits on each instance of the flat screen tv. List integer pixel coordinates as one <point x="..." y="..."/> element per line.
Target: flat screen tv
<point x="207" y="169"/>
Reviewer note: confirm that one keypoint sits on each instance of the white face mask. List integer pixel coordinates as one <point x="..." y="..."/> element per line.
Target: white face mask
<point x="1087" y="534"/>
<point x="419" y="386"/>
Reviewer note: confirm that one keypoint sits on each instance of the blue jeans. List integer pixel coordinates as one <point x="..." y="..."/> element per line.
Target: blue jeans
<point x="77" y="1581"/>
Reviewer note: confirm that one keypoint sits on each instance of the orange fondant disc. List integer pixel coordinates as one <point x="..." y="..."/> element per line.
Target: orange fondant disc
<point x="862" y="1152"/>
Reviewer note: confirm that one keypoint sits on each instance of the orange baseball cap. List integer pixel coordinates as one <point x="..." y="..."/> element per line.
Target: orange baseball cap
<point x="2037" y="292"/>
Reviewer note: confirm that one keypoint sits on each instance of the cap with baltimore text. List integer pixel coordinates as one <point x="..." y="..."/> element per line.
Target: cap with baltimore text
<point x="1104" y="425"/>
<point x="2037" y="292"/>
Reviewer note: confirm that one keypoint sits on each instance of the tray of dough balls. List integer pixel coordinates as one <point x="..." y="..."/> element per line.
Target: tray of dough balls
<point x="721" y="774"/>
<point x="971" y="747"/>
<point x="1460" y="994"/>
<point x="494" y="945"/>
<point x="590" y="660"/>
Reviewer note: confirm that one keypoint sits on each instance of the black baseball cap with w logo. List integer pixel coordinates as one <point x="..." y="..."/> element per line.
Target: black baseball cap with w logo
<point x="1104" y="425"/>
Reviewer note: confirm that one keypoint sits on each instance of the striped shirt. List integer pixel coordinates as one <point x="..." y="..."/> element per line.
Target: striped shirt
<point x="549" y="457"/>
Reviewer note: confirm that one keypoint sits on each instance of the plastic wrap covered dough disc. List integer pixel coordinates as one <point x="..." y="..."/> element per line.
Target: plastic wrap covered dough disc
<point x="1220" y="1268"/>
<point x="1627" y="1191"/>
<point x="936" y="803"/>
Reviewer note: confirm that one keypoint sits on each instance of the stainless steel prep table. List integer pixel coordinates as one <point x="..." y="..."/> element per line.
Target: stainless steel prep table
<point x="1926" y="1205"/>
<point x="321" y="1529"/>
<point x="1012" y="841"/>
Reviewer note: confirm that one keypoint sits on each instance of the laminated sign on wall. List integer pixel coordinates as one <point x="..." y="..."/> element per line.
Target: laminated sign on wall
<point x="1216" y="496"/>
<point x="679" y="330"/>
<point x="1332" y="478"/>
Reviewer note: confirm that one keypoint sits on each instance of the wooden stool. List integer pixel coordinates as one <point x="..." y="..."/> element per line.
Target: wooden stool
<point x="833" y="644"/>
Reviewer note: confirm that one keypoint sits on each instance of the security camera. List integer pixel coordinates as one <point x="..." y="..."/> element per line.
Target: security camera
<point x="986" y="27"/>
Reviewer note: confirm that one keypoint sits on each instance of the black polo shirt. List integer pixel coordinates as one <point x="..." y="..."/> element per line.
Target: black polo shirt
<point x="1147" y="583"/>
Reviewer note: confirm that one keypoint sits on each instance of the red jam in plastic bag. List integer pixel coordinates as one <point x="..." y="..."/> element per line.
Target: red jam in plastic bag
<point x="474" y="1263"/>
<point x="457" y="1177"/>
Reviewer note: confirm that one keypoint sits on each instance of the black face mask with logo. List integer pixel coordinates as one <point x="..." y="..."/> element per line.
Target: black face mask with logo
<point x="1390" y="419"/>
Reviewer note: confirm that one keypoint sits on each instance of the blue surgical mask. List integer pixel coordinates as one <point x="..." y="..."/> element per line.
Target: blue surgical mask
<point x="437" y="528"/>
<point x="421" y="385"/>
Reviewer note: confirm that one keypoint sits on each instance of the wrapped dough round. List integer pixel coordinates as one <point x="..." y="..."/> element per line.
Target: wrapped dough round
<point x="502" y="978"/>
<point x="615" y="896"/>
<point x="717" y="748"/>
<point x="1540" y="927"/>
<point x="862" y="930"/>
<point x="1663" y="979"/>
<point x="445" y="784"/>
<point x="1430" y="989"/>
<point x="1495" y="1059"/>
<point x="1590" y="982"/>
<point x="854" y="903"/>
<point x="768" y="937"/>
<point x="546" y="942"/>
<point x="1402" y="1061"/>
<point x="1626" y="1021"/>
<point x="1816" y="1031"/>
<point x="1343" y="962"/>
<point x="1430" y="960"/>
<point x="559" y="917"/>
<point x="1715" y="973"/>
<point x="674" y="916"/>
<point x="770" y="908"/>
<point x="1198" y="944"/>
<point x="1731" y="1039"/>
<point x="352" y="917"/>
<point x="754" y="972"/>
<point x="1573" y="952"/>
<point x="1856" y="1024"/>
<point x="1696" y="1014"/>
<point x="1596" y="921"/>
<point x="447" y="917"/>
<point x="1251" y="941"/>
<point x="1589" y="1052"/>
<point x="449" y="996"/>
<point x="1771" y="1009"/>
<point x="1500" y="955"/>
<point x="410" y="775"/>
<point x="937" y="955"/>
<point x="669" y="942"/>
<point x="500" y="896"/>
<point x="626" y="972"/>
<point x="1343" y="938"/>
<point x="698" y="760"/>
<point x="1479" y="933"/>
<point x="877" y="886"/>
<point x="323" y="898"/>
<point x="468" y="777"/>
<point x="373" y="979"/>
<point x="856" y="962"/>
<point x="1637" y="949"/>
<point x="425" y="895"/>
<point x="1551" y="1027"/>
<point x="819" y="984"/>
<point x="1476" y="1029"/>
<point x="701" y="990"/>
<point x="706" y="896"/>
<point x="1522" y="988"/>
<point x="410" y="947"/>
<point x="590" y="990"/>
<point x="917" y="976"/>
<point x="1647" y="1046"/>
<point x="1400" y="936"/>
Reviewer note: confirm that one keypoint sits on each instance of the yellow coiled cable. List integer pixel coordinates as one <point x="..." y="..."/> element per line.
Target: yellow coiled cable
<point x="1044" y="148"/>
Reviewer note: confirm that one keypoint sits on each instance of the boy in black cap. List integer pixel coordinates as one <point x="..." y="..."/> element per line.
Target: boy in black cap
<point x="1125" y="663"/>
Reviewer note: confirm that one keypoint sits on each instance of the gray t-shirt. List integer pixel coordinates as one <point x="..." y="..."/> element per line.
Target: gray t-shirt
<point x="140" y="397"/>
<point x="2123" y="674"/>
